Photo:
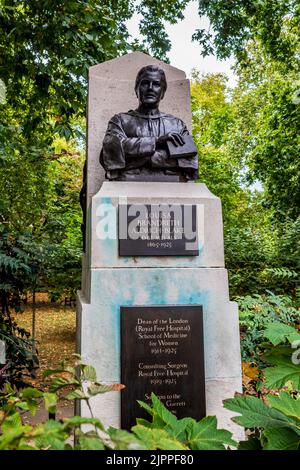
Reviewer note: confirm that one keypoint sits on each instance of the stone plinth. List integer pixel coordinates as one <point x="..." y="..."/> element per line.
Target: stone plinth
<point x="112" y="281"/>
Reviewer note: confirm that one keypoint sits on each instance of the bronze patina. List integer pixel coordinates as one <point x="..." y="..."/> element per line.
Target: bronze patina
<point x="135" y="146"/>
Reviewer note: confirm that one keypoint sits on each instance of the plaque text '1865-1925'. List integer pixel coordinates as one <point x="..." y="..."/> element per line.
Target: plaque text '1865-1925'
<point x="158" y="230"/>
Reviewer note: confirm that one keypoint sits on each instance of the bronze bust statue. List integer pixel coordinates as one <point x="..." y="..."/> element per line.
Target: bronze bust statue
<point x="138" y="144"/>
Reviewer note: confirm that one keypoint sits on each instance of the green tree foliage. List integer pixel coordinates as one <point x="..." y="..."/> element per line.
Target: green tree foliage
<point x="154" y="14"/>
<point x="16" y="276"/>
<point x="265" y="136"/>
<point x="259" y="316"/>
<point x="249" y="238"/>
<point x="46" y="48"/>
<point x="212" y="118"/>
<point x="235" y="22"/>
<point x="245" y="136"/>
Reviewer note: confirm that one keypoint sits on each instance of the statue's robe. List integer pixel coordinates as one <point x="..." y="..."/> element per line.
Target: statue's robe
<point x="129" y="147"/>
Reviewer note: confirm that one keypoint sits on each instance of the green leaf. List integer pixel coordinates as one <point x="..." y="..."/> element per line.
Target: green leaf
<point x="88" y="373"/>
<point x="30" y="392"/>
<point x="277" y="355"/>
<point x="50" y="400"/>
<point x="96" y="388"/>
<point x="281" y="439"/>
<point x="204" y="435"/>
<point x="286" y="404"/>
<point x="10" y="439"/>
<point x="157" y="439"/>
<point x="124" y="440"/>
<point x="143" y="422"/>
<point x="285" y="371"/>
<point x="90" y="442"/>
<point x="50" y="435"/>
<point x="49" y="372"/>
<point x="253" y="443"/>
<point x="255" y="414"/>
<point x="278" y="333"/>
<point x="23" y="445"/>
<point x="76" y="395"/>
<point x="162" y="412"/>
<point x="29" y="405"/>
<point x="23" y="405"/>
<point x="89" y="36"/>
<point x="78" y="421"/>
<point x="68" y="447"/>
<point x="11" y="422"/>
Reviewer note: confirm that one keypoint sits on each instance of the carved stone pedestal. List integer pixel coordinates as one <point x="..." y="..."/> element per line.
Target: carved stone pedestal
<point x="111" y="281"/>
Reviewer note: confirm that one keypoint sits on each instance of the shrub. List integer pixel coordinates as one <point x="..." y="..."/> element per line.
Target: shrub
<point x="257" y="313"/>
<point x="275" y="424"/>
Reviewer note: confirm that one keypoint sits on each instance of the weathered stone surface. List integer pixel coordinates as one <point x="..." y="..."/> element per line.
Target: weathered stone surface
<point x="104" y="253"/>
<point x="100" y="339"/>
<point x="113" y="281"/>
<point x="218" y="390"/>
<point x="125" y="67"/>
<point x="111" y="288"/>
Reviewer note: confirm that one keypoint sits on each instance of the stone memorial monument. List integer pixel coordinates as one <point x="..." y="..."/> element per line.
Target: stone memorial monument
<point x="154" y="310"/>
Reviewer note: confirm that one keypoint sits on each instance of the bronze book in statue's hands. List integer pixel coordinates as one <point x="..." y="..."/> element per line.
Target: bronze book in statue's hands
<point x="182" y="151"/>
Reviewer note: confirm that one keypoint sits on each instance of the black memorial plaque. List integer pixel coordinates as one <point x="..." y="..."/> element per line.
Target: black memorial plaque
<point x="162" y="352"/>
<point x="158" y="230"/>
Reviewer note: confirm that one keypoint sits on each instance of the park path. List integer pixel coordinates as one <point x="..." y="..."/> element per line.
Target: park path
<point x="55" y="340"/>
<point x="65" y="409"/>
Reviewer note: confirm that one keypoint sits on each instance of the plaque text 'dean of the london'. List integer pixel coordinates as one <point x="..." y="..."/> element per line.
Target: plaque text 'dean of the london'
<point x="162" y="352"/>
<point x="158" y="230"/>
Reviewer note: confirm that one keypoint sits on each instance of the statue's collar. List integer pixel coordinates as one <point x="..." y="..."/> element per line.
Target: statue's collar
<point x="146" y="116"/>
